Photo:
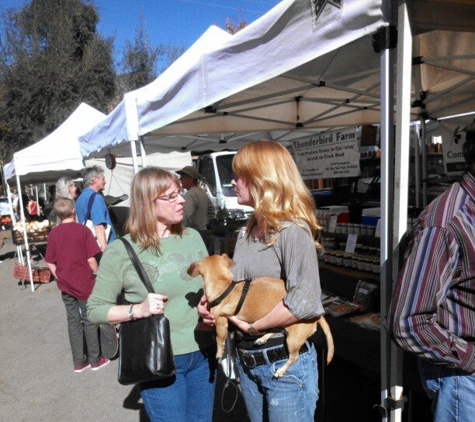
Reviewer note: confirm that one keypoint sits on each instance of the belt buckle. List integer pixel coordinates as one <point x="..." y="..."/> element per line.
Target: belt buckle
<point x="249" y="360"/>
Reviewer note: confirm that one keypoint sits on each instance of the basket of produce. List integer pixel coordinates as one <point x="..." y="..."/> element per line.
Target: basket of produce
<point x="5" y="222"/>
<point x="37" y="231"/>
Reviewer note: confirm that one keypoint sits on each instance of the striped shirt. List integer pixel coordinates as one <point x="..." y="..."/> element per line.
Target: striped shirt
<point x="432" y="313"/>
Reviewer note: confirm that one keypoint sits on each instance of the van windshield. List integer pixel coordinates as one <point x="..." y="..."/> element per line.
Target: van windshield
<point x="225" y="171"/>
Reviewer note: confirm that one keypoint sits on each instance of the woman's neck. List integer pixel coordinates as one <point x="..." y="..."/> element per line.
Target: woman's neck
<point x="256" y="232"/>
<point x="163" y="230"/>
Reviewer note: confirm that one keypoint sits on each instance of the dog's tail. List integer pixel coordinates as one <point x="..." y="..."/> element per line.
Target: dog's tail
<point x="328" y="335"/>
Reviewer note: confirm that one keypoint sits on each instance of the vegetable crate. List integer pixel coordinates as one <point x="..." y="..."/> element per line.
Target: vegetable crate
<point x="40" y="274"/>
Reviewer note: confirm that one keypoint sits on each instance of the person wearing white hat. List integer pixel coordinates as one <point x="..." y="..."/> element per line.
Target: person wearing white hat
<point x="199" y="209"/>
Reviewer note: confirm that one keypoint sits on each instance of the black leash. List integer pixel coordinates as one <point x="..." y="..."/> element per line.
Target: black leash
<point x="245" y="289"/>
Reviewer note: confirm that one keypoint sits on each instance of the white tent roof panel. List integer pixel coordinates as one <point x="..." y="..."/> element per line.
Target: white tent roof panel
<point x="57" y="154"/>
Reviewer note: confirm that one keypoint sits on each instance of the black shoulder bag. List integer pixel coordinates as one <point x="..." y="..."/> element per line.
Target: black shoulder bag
<point x="145" y="349"/>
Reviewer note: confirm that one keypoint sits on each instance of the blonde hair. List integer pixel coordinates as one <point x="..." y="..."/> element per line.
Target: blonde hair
<point x="275" y="184"/>
<point x="63" y="207"/>
<point x="147" y="185"/>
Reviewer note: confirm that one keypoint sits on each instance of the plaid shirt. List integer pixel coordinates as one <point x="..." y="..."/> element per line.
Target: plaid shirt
<point x="433" y="308"/>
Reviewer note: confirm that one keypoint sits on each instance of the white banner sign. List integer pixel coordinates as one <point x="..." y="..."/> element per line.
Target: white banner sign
<point x="453" y="138"/>
<point x="329" y="155"/>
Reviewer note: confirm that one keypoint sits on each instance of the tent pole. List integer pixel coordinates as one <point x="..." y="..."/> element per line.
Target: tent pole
<point x="133" y="149"/>
<point x="417" y="167"/>
<point x="387" y="143"/>
<point x="424" y="161"/>
<point x="401" y="189"/>
<point x="25" y="233"/>
<point x="143" y="154"/>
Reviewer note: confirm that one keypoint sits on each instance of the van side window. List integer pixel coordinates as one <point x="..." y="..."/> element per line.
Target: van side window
<point x="208" y="176"/>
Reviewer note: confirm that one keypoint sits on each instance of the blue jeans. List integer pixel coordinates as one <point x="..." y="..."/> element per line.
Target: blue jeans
<point x="291" y="398"/>
<point x="451" y="390"/>
<point x="79" y="328"/>
<point x="189" y="395"/>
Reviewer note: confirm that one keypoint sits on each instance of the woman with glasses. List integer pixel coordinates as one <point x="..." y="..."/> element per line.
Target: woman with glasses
<point x="166" y="250"/>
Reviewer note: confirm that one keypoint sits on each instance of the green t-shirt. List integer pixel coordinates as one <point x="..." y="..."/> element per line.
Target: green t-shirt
<point x="167" y="271"/>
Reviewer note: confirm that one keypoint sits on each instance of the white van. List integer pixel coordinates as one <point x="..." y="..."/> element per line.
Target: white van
<point x="216" y="173"/>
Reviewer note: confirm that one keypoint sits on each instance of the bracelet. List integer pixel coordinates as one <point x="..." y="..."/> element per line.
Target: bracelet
<point x="253" y="332"/>
<point x="131" y="312"/>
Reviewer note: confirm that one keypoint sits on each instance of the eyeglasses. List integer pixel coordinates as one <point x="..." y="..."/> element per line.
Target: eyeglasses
<point x="171" y="197"/>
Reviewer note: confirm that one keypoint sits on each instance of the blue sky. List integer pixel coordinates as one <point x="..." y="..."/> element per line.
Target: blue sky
<point x="178" y="22"/>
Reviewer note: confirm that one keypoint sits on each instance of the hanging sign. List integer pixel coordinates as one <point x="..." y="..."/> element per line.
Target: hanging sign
<point x="329" y="155"/>
<point x="453" y="138"/>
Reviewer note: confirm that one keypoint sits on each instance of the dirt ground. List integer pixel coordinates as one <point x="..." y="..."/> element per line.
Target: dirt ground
<point x="37" y="381"/>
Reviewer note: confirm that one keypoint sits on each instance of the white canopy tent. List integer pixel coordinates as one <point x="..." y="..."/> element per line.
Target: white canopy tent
<point x="119" y="179"/>
<point x="309" y="64"/>
<point x="56" y="155"/>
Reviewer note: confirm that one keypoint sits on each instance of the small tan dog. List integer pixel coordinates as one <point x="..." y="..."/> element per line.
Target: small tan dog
<point x="264" y="293"/>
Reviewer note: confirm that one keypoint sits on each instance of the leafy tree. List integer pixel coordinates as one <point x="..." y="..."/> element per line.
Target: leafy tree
<point x="51" y="60"/>
<point x="139" y="64"/>
<point x="140" y="60"/>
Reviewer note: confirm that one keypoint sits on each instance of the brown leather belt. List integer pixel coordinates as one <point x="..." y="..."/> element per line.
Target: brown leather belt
<point x="253" y="358"/>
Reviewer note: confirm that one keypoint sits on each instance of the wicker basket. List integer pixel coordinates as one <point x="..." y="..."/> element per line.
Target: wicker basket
<point x="40" y="274"/>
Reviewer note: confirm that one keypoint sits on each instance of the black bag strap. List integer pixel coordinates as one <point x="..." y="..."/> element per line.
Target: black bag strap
<point x="89" y="206"/>
<point x="137" y="265"/>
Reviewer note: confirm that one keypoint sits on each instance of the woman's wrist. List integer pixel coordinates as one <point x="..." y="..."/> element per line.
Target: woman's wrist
<point x="131" y="313"/>
<point x="253" y="332"/>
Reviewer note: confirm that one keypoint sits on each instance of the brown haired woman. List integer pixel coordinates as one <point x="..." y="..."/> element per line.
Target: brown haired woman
<point x="166" y="250"/>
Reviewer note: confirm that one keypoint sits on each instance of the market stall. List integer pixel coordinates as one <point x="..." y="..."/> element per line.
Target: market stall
<point x="318" y="64"/>
<point x="55" y="156"/>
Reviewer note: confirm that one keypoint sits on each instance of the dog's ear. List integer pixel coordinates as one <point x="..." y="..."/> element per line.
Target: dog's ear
<point x="229" y="262"/>
<point x="194" y="269"/>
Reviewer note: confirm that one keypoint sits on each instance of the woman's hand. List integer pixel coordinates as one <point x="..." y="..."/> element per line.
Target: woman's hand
<point x="204" y="313"/>
<point x="242" y="325"/>
<point x="153" y="304"/>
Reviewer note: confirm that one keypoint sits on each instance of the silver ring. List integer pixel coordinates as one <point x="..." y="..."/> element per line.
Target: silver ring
<point x="159" y="305"/>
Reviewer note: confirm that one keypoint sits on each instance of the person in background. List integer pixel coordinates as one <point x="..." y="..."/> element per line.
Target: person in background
<point x="199" y="209"/>
<point x="65" y="188"/>
<point x="33" y="209"/>
<point x="166" y="251"/>
<point x="70" y="257"/>
<point x="432" y="313"/>
<point x="277" y="242"/>
<point x="95" y="182"/>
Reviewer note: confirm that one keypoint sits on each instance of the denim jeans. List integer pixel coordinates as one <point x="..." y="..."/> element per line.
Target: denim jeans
<point x="79" y="328"/>
<point x="189" y="395"/>
<point x="291" y="398"/>
<point x="451" y="390"/>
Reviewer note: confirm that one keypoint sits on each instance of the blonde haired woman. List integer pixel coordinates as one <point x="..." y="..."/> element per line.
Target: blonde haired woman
<point x="278" y="241"/>
<point x="166" y="250"/>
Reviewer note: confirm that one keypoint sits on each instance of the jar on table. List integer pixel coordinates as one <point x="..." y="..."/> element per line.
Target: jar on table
<point x="371" y="230"/>
<point x="362" y="264"/>
<point x="376" y="266"/>
<point x="338" y="258"/>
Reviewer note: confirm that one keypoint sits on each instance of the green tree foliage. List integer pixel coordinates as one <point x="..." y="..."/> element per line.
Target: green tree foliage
<point x="140" y="61"/>
<point x="51" y="60"/>
<point x="139" y="64"/>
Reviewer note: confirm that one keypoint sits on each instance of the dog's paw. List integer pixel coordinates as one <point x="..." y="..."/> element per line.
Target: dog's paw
<point x="280" y="373"/>
<point x="260" y="341"/>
